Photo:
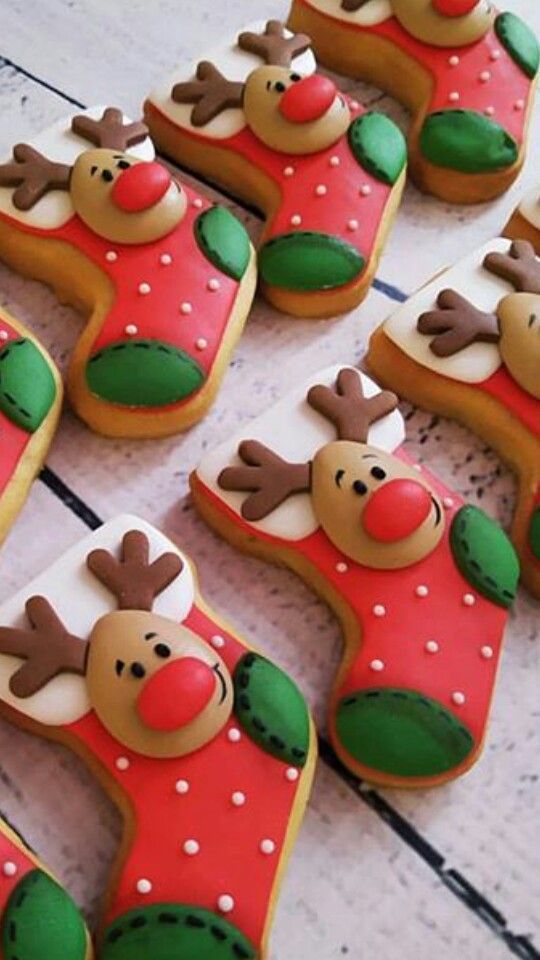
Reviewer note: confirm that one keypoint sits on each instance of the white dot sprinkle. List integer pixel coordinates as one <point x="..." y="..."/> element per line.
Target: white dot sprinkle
<point x="234" y="735"/>
<point x="225" y="903"/>
<point x="288" y="172"/>
<point x="238" y="798"/>
<point x="186" y="308"/>
<point x="213" y="285"/>
<point x="365" y="190"/>
<point x="355" y="105"/>
<point x="432" y="646"/>
<point x="417" y="466"/>
<point x="489" y="111"/>
<point x="341" y="567"/>
<point x="448" y="503"/>
<point x="182" y="787"/>
<point x="131" y="330"/>
<point x="486" y="653"/>
<point x="379" y="610"/>
<point x="453" y="97"/>
<point x="519" y="105"/>
<point x="352" y="225"/>
<point x="321" y="190"/>
<point x="268" y="847"/>
<point x="4" y="335"/>
<point x="485" y="76"/>
<point x="144" y="289"/>
<point x="296" y="220"/>
<point x="197" y="203"/>
<point x="217" y="641"/>
<point x="458" y="698"/>
<point x="144" y="886"/>
<point x="334" y="161"/>
<point x="421" y="590"/>
<point x="165" y="259"/>
<point x="122" y="763"/>
<point x="9" y="869"/>
<point x="201" y="343"/>
<point x="111" y="256"/>
<point x="454" y="61"/>
<point x="469" y="600"/>
<point x="495" y="55"/>
<point x="191" y="848"/>
<point x="376" y="665"/>
<point x="292" y="774"/>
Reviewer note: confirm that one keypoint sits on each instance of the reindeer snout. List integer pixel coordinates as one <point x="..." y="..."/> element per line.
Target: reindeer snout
<point x="396" y="510"/>
<point x="454" y="8"/>
<point x="141" y="187"/>
<point x="176" y="694"/>
<point x="308" y="99"/>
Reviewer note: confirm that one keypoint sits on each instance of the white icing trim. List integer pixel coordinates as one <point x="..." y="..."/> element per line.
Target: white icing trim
<point x="372" y="13"/>
<point x="235" y="64"/>
<point x="59" y="143"/>
<point x="80" y="600"/>
<point x="529" y="207"/>
<point x="295" y="431"/>
<point x="476" y="362"/>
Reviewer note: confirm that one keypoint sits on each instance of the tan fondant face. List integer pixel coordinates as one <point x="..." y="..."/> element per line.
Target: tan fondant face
<point x="375" y="509"/>
<point x="155" y="685"/>
<point x="519" y="322"/>
<point x="264" y="93"/>
<point x="421" y="19"/>
<point x="146" y="206"/>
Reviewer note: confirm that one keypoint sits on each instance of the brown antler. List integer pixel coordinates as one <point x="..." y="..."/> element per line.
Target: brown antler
<point x="456" y="324"/>
<point x="269" y="479"/>
<point x="48" y="649"/>
<point x="519" y="266"/>
<point x="348" y="408"/>
<point x="211" y="93"/>
<point x="110" y="132"/>
<point x="274" y="46"/>
<point x="133" y="580"/>
<point x="33" y="175"/>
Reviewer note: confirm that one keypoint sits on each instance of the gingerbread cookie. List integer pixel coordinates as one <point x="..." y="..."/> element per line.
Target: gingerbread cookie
<point x="467" y="346"/>
<point x="466" y="72"/>
<point x="420" y="581"/>
<point x="38" y="919"/>
<point x="166" y="278"/>
<point x="328" y="175"/>
<point x="206" y="746"/>
<point x="30" y="405"/>
<point x="524" y="224"/>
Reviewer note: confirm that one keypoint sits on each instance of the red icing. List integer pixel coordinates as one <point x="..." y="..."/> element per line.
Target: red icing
<point x="14" y="439"/>
<point x="396" y="510"/>
<point x="176" y="694"/>
<point x="512" y="397"/>
<point x="507" y="89"/>
<point x="308" y="99"/>
<point x="398" y="638"/>
<point x="11" y="853"/>
<point x="454" y="8"/>
<point x="141" y="186"/>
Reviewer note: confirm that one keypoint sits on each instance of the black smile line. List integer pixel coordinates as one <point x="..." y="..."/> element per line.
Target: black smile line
<point x="438" y="514"/>
<point x="223" y="684"/>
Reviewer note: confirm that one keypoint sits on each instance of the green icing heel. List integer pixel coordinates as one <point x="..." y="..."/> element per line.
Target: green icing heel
<point x="143" y="373"/>
<point x="484" y="555"/>
<point x="466" y="141"/>
<point x="223" y="241"/>
<point x="41" y="922"/>
<point x="519" y="41"/>
<point x="308" y="261"/>
<point x="401" y="732"/>
<point x="378" y="146"/>
<point x="534" y="533"/>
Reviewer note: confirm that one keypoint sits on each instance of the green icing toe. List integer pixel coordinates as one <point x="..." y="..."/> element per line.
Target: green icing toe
<point x="271" y="709"/>
<point x="379" y="146"/>
<point x="401" y="732"/>
<point x="27" y="387"/>
<point x="143" y="373"/>
<point x="520" y="42"/>
<point x="534" y="533"/>
<point x="224" y="241"/>
<point x="41" y="922"/>
<point x="174" y="932"/>
<point x="484" y="555"/>
<point x="309" y="261"/>
<point x="467" y="141"/>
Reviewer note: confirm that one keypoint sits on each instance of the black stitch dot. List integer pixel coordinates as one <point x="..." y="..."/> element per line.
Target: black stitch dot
<point x="167" y="918"/>
<point x="193" y="921"/>
<point x="115" y="935"/>
<point x="138" y="922"/>
<point x="218" y="933"/>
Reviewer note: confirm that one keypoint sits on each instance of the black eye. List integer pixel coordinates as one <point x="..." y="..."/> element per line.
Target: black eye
<point x="107" y="176"/>
<point x="162" y="650"/>
<point x="93" y="170"/>
<point x="280" y="87"/>
<point x="359" y="487"/>
<point x="137" y="670"/>
<point x="339" y="477"/>
<point x="123" y="164"/>
<point x="295" y="77"/>
<point x="119" y="667"/>
<point x="378" y="473"/>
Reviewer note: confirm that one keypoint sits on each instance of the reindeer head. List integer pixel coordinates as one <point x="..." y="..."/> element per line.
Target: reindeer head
<point x="288" y="112"/>
<point x="120" y="197"/>
<point x="156" y="686"/>
<point x="374" y="508"/>
<point x="444" y="23"/>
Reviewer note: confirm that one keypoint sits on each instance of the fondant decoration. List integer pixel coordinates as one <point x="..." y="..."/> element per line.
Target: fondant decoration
<point x="38" y="919"/>
<point x="327" y="174"/>
<point x="207" y="746"/>
<point x="466" y="72"/>
<point x="166" y="278"/>
<point x="467" y="346"/>
<point x="30" y="403"/>
<point x="420" y="582"/>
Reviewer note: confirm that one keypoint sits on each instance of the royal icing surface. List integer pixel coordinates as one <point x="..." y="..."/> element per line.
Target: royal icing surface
<point x="529" y="208"/>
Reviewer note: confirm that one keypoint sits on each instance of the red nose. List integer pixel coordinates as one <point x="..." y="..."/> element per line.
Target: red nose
<point x="176" y="694"/>
<point x="308" y="99"/>
<point x="140" y="187"/>
<point x="454" y="8"/>
<point x="396" y="510"/>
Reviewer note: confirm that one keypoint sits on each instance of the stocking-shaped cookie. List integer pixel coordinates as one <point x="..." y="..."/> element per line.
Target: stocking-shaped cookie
<point x="420" y="582"/>
<point x="466" y="72"/>
<point x="206" y="746"/>
<point x="38" y="919"/>
<point x="30" y="404"/>
<point x="257" y="118"/>
<point x="467" y="347"/>
<point x="524" y="224"/>
<point x="166" y="279"/>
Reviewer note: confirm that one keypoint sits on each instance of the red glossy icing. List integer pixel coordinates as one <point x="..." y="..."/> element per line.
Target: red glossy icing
<point x="308" y="99"/>
<point x="176" y="694"/>
<point x="396" y="510"/>
<point x="454" y="8"/>
<point x="14" y="439"/>
<point x="398" y="637"/>
<point x="507" y="89"/>
<point x="11" y="853"/>
<point x="141" y="186"/>
<point x="512" y="397"/>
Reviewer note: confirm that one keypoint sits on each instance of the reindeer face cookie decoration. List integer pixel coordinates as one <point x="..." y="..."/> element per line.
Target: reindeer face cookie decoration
<point x="166" y="278"/>
<point x="259" y="119"/>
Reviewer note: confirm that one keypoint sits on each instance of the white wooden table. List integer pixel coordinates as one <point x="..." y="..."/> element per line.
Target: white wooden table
<point x="448" y="873"/>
